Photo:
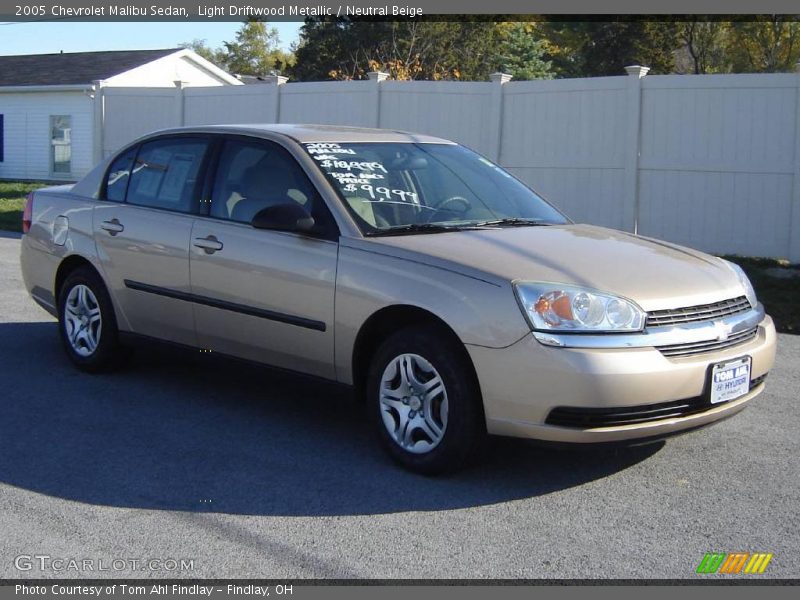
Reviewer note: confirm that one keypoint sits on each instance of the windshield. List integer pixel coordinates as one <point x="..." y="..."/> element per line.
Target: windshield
<point x="416" y="188"/>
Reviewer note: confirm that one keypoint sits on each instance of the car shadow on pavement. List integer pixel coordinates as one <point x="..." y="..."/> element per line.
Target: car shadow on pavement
<point x="178" y="431"/>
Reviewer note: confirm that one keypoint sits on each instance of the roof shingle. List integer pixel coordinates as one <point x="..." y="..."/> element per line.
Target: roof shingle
<point x="73" y="68"/>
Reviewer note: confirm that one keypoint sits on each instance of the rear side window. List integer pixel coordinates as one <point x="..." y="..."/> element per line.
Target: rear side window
<point x="118" y="176"/>
<point x="165" y="174"/>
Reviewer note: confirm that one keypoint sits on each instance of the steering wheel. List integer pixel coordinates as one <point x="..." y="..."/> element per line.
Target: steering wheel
<point x="444" y="207"/>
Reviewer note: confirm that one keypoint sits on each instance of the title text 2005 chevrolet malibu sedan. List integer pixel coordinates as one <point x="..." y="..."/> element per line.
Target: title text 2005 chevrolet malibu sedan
<point x="454" y="299"/>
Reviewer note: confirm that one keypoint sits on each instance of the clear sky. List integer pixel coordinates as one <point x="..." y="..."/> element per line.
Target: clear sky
<point x="45" y="38"/>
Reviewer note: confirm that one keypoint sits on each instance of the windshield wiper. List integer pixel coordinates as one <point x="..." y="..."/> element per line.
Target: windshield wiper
<point x="442" y="228"/>
<point x="420" y="228"/>
<point x="512" y="222"/>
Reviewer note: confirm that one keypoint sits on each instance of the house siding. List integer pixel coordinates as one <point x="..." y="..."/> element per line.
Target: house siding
<point x="26" y="118"/>
<point x="27" y="114"/>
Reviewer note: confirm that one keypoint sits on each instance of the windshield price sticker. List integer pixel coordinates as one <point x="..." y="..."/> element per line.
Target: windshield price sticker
<point x="358" y="176"/>
<point x="344" y="178"/>
<point x="352" y="165"/>
<point x="383" y="193"/>
<point x="328" y="149"/>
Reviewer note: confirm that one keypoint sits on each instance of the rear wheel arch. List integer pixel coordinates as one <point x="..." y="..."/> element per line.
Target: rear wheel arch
<point x="388" y="320"/>
<point x="67" y="266"/>
<point x="87" y="321"/>
<point x="77" y="261"/>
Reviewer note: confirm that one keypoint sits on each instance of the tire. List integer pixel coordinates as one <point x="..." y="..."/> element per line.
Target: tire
<point x="87" y="323"/>
<point x="433" y="432"/>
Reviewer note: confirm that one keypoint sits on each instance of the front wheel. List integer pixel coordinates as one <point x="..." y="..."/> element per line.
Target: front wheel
<point x="425" y="401"/>
<point x="87" y="324"/>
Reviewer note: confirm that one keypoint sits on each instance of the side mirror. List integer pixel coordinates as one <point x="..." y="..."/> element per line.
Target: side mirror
<point x="284" y="217"/>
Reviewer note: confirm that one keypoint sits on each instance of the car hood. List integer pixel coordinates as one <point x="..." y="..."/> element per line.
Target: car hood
<point x="655" y="274"/>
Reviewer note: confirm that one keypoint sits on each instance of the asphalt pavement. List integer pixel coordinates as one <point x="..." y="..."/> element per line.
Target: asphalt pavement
<point x="252" y="473"/>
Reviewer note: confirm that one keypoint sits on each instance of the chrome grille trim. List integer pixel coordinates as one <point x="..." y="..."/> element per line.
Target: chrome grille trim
<point x="734" y="339"/>
<point x="702" y="312"/>
<point x="667" y="335"/>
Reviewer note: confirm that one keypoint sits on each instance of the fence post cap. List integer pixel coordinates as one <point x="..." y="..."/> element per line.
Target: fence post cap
<point x="377" y="76"/>
<point x="276" y="79"/>
<point x="637" y="71"/>
<point x="500" y="77"/>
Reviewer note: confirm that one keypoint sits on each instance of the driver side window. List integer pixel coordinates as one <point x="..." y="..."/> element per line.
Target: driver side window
<point x="252" y="176"/>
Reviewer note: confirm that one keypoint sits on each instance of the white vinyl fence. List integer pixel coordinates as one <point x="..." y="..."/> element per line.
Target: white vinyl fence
<point x="709" y="161"/>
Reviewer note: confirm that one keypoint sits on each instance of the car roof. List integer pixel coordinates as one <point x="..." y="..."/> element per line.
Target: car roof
<point x="315" y="133"/>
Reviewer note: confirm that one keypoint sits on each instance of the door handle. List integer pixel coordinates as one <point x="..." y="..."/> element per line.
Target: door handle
<point x="113" y="226"/>
<point x="209" y="244"/>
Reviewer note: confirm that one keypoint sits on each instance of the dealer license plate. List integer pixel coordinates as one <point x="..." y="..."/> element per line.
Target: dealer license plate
<point x="730" y="380"/>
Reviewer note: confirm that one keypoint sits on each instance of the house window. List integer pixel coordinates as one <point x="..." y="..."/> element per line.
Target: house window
<point x="61" y="144"/>
<point x="1" y="138"/>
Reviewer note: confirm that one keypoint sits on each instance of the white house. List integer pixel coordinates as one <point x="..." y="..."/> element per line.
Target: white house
<point x="51" y="111"/>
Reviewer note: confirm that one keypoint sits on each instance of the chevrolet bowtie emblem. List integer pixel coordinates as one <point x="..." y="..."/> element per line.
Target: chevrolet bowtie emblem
<point x="722" y="331"/>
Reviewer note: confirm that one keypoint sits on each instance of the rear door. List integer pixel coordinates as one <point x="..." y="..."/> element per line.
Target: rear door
<point x="264" y="295"/>
<point x="143" y="231"/>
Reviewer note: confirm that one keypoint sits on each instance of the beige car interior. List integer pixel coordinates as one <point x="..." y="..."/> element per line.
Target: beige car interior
<point x="266" y="183"/>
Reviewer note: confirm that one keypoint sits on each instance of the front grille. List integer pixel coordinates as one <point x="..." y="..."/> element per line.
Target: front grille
<point x="703" y="312"/>
<point x="692" y="348"/>
<point x="588" y="418"/>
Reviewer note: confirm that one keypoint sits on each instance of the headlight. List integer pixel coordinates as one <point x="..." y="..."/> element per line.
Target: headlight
<point x="556" y="307"/>
<point x="749" y="291"/>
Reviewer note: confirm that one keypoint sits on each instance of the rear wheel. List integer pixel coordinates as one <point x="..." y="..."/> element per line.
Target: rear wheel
<point x="425" y="401"/>
<point x="87" y="324"/>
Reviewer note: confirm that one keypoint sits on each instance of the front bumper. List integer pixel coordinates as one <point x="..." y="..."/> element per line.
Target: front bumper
<point x="523" y="383"/>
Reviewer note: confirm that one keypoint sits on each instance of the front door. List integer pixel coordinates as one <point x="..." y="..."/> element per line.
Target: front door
<point x="258" y="294"/>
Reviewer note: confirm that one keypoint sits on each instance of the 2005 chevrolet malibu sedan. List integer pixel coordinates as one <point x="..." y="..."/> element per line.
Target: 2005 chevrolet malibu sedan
<point x="454" y="299"/>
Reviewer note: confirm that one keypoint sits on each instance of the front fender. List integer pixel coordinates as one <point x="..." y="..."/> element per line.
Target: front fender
<point x="480" y="312"/>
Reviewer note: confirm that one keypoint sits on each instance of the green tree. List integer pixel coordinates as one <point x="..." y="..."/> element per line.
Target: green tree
<point x="565" y="42"/>
<point x="521" y="52"/>
<point x="595" y="48"/>
<point x="349" y="48"/>
<point x="765" y="45"/>
<point x="255" y="51"/>
<point x="703" y="46"/>
<point x="202" y="48"/>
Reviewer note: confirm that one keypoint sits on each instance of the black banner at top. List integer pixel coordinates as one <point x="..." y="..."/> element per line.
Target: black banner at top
<point x="277" y="10"/>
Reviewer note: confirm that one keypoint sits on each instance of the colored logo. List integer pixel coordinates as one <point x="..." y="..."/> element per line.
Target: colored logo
<point x="734" y="563"/>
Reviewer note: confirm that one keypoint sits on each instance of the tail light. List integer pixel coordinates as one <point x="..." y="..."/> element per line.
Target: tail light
<point x="27" y="214"/>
